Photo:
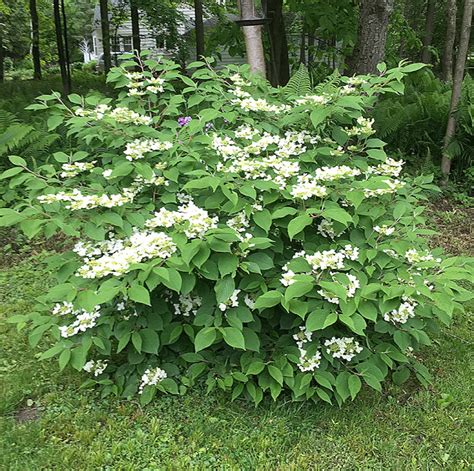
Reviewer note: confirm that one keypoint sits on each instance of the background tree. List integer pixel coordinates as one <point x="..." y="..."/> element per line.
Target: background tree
<point x="429" y="30"/>
<point x="457" y="84"/>
<point x="199" y="28"/>
<point x="135" y="17"/>
<point x="35" y="47"/>
<point x="253" y="38"/>
<point x="371" y="36"/>
<point x="105" y="27"/>
<point x="447" y="64"/>
<point x="66" y="80"/>
<point x="279" y="60"/>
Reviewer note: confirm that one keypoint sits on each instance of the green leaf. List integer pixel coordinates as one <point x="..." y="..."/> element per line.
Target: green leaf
<point x="268" y="299"/>
<point x="401" y="375"/>
<point x="296" y="225"/>
<point x="233" y="337"/>
<point x="263" y="219"/>
<point x="252" y="341"/>
<point x="139" y="294"/>
<point x="318" y="116"/>
<point x="227" y="263"/>
<point x="18" y="161"/>
<point x="320" y="319"/>
<point x="276" y="374"/>
<point x="255" y="368"/>
<point x="354" y="385"/>
<point x="204" y="338"/>
<point x="338" y="214"/>
<point x="342" y="385"/>
<point x="64" y="358"/>
<point x="54" y="121"/>
<point x="137" y="341"/>
<point x="298" y="289"/>
<point x="224" y="289"/>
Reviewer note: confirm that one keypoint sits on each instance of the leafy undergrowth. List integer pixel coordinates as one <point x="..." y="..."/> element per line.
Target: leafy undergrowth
<point x="47" y="422"/>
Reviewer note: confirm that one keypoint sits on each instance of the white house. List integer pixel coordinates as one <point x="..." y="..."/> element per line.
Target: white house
<point x="121" y="37"/>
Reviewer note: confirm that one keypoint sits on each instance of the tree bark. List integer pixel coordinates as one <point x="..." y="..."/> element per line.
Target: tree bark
<point x="35" y="48"/>
<point x="253" y="38"/>
<point x="66" y="46"/>
<point x="105" y="27"/>
<point x="2" y="57"/>
<point x="60" y="46"/>
<point x="280" y="65"/>
<point x="429" y="29"/>
<point x="199" y="28"/>
<point x="372" y="35"/>
<point x="457" y="85"/>
<point x="447" y="64"/>
<point x="135" y="17"/>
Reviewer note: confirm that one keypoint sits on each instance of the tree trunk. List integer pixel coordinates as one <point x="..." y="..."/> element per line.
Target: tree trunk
<point x="2" y="57"/>
<point x="105" y="27"/>
<point x="447" y="64"/>
<point x="199" y="28"/>
<point x="278" y="42"/>
<point x="60" y="46"/>
<point x="303" y="45"/>
<point x="35" y="48"/>
<point x="135" y="17"/>
<point x="457" y="84"/>
<point x="372" y="35"/>
<point x="429" y="29"/>
<point x="66" y="47"/>
<point x="253" y="38"/>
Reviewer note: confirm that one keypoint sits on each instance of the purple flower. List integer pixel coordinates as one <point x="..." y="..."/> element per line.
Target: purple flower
<point x="183" y="120"/>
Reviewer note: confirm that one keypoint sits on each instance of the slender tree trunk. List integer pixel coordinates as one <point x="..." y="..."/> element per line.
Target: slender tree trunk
<point x="35" y="48"/>
<point x="429" y="29"/>
<point x="457" y="84"/>
<point x="311" y="44"/>
<point x="66" y="46"/>
<point x="105" y="27"/>
<point x="135" y="17"/>
<point x="2" y="58"/>
<point x="199" y="28"/>
<point x="278" y="42"/>
<point x="303" y="45"/>
<point x="60" y="46"/>
<point x="253" y="38"/>
<point x="372" y="35"/>
<point x="447" y="64"/>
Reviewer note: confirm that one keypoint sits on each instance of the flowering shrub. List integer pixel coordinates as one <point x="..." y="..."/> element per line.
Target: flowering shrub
<point x="250" y="237"/>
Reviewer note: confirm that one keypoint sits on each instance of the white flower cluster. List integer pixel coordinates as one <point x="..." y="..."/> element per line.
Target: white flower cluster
<point x="363" y="127"/>
<point x="240" y="224"/>
<point x="233" y="301"/>
<point x="249" y="103"/>
<point x="79" y="201"/>
<point x="246" y="132"/>
<point x="393" y="187"/>
<point x="194" y="220"/>
<point x="390" y="168"/>
<point x="84" y="320"/>
<point x="119" y="114"/>
<point x="288" y="277"/>
<point x="384" y="230"/>
<point x="413" y="256"/>
<point x="71" y="170"/>
<point x="151" y="377"/>
<point x="306" y="363"/>
<point x="345" y="347"/>
<point x="307" y="187"/>
<point x="96" y="367"/>
<point x="187" y="305"/>
<point x="63" y="309"/>
<point x="330" y="259"/>
<point x="403" y="313"/>
<point x="326" y="229"/>
<point x="312" y="100"/>
<point x="335" y="173"/>
<point x="139" y="147"/>
<point x="350" y="288"/>
<point x="116" y="256"/>
<point x="138" y="84"/>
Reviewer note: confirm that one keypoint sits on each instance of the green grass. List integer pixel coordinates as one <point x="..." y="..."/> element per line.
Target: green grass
<point x="405" y="428"/>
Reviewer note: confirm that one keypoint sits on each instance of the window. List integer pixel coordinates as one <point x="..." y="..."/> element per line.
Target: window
<point x="160" y="42"/>
<point x="94" y="45"/>
<point x="115" y="44"/>
<point x="127" y="43"/>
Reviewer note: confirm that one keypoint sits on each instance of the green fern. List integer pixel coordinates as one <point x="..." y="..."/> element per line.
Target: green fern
<point x="300" y="83"/>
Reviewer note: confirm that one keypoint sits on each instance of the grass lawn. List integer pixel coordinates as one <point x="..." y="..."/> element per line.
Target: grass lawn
<point x="47" y="422"/>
